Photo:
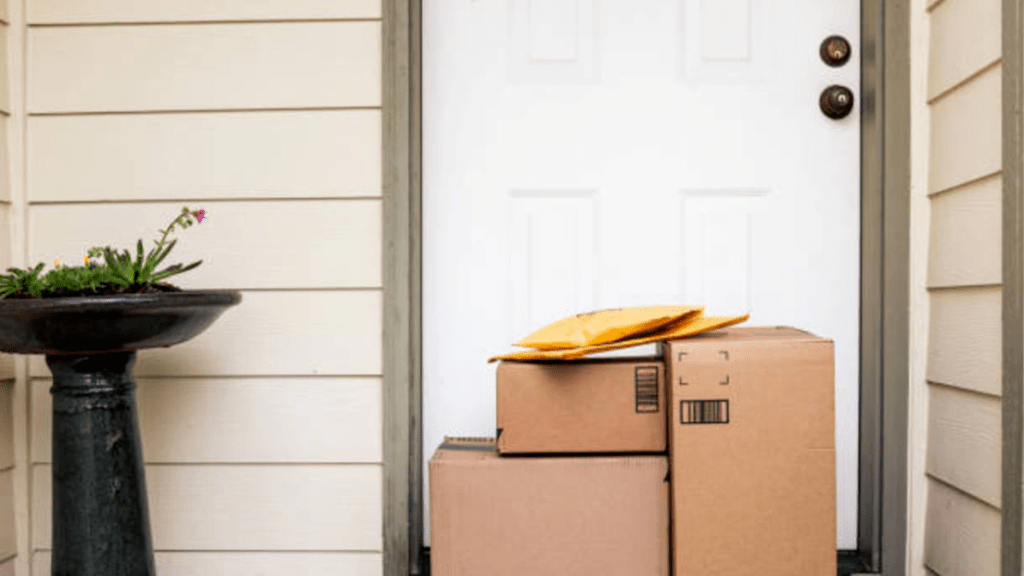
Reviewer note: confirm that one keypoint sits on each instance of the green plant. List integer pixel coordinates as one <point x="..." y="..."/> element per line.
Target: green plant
<point x="118" y="269"/>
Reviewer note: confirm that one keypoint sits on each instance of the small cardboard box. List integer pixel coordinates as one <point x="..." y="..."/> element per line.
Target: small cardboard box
<point x="581" y="406"/>
<point x="494" y="515"/>
<point x="752" y="451"/>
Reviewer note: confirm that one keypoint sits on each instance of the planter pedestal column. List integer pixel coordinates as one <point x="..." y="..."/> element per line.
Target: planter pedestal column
<point x="100" y="512"/>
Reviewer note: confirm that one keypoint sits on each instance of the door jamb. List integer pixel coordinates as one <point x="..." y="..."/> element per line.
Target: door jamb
<point x="885" y="249"/>
<point x="885" y="295"/>
<point x="401" y="393"/>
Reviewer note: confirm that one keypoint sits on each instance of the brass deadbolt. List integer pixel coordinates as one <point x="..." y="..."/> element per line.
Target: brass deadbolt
<point x="835" y="51"/>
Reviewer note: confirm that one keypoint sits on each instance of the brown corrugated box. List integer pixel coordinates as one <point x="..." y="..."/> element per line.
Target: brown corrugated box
<point x="494" y="515"/>
<point x="752" y="450"/>
<point x="582" y="406"/>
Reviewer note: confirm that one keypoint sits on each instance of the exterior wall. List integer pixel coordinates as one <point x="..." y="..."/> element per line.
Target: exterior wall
<point x="956" y="468"/>
<point x="262" y="437"/>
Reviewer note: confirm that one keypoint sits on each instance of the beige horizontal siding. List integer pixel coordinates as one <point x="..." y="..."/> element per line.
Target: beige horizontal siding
<point x="204" y="67"/>
<point x="962" y="42"/>
<point x="5" y="74"/>
<point x="6" y="424"/>
<point x="964" y="347"/>
<point x="251" y="563"/>
<point x="8" y="544"/>
<point x="965" y="440"/>
<point x="248" y="507"/>
<point x="296" y="154"/>
<point x="5" y="235"/>
<point x="8" y="528"/>
<point x="76" y="11"/>
<point x="255" y="244"/>
<point x="966" y="241"/>
<point x="962" y="534"/>
<point x="263" y="435"/>
<point x="5" y="176"/>
<point x="966" y="132"/>
<point x="276" y="333"/>
<point x="213" y="420"/>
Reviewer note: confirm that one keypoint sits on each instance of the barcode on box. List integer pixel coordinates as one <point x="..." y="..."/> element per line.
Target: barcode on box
<point x="704" y="411"/>
<point x="646" y="379"/>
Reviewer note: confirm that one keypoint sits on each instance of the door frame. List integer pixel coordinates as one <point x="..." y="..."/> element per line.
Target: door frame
<point x="885" y="262"/>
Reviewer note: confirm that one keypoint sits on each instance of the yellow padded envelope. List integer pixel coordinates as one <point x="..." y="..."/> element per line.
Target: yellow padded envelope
<point x="687" y="326"/>
<point x="605" y="326"/>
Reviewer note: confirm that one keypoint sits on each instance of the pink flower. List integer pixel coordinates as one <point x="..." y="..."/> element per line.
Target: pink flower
<point x="201" y="215"/>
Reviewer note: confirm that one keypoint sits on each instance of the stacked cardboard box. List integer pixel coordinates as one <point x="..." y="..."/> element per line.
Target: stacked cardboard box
<point x="581" y="407"/>
<point x="752" y="446"/>
<point x="578" y="483"/>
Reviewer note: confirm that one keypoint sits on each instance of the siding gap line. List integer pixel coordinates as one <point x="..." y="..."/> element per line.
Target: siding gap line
<point x="213" y="200"/>
<point x="981" y="71"/>
<point x="962" y="287"/>
<point x="376" y="108"/>
<point x="958" y="388"/>
<point x="961" y="491"/>
<point x="110" y="24"/>
<point x="950" y="484"/>
<point x="336" y="551"/>
<point x="370" y="464"/>
<point x="965" y="184"/>
<point x="291" y="289"/>
<point x="240" y="377"/>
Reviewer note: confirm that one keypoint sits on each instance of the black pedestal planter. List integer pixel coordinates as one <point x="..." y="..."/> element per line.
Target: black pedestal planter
<point x="100" y="512"/>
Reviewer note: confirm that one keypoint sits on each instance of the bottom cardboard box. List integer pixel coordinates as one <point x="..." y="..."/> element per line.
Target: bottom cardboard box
<point x="546" y="516"/>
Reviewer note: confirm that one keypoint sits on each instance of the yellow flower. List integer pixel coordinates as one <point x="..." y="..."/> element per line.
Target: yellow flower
<point x="56" y="263"/>
<point x="86" y="259"/>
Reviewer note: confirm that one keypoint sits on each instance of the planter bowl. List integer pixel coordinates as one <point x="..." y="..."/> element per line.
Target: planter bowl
<point x="104" y="324"/>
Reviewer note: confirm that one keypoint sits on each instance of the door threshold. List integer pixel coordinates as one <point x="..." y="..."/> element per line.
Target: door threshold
<point x="849" y="562"/>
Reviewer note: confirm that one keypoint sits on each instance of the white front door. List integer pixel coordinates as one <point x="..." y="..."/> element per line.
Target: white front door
<point x="589" y="154"/>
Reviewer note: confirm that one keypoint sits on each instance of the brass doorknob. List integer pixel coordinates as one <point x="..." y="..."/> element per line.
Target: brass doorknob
<point x="835" y="51"/>
<point x="836" y="101"/>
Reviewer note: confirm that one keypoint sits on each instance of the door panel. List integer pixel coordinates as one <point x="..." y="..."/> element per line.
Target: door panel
<point x="588" y="154"/>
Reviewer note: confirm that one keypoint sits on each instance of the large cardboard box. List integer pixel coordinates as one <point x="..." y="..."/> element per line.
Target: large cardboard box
<point x="494" y="515"/>
<point x="752" y="450"/>
<point x="581" y="406"/>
